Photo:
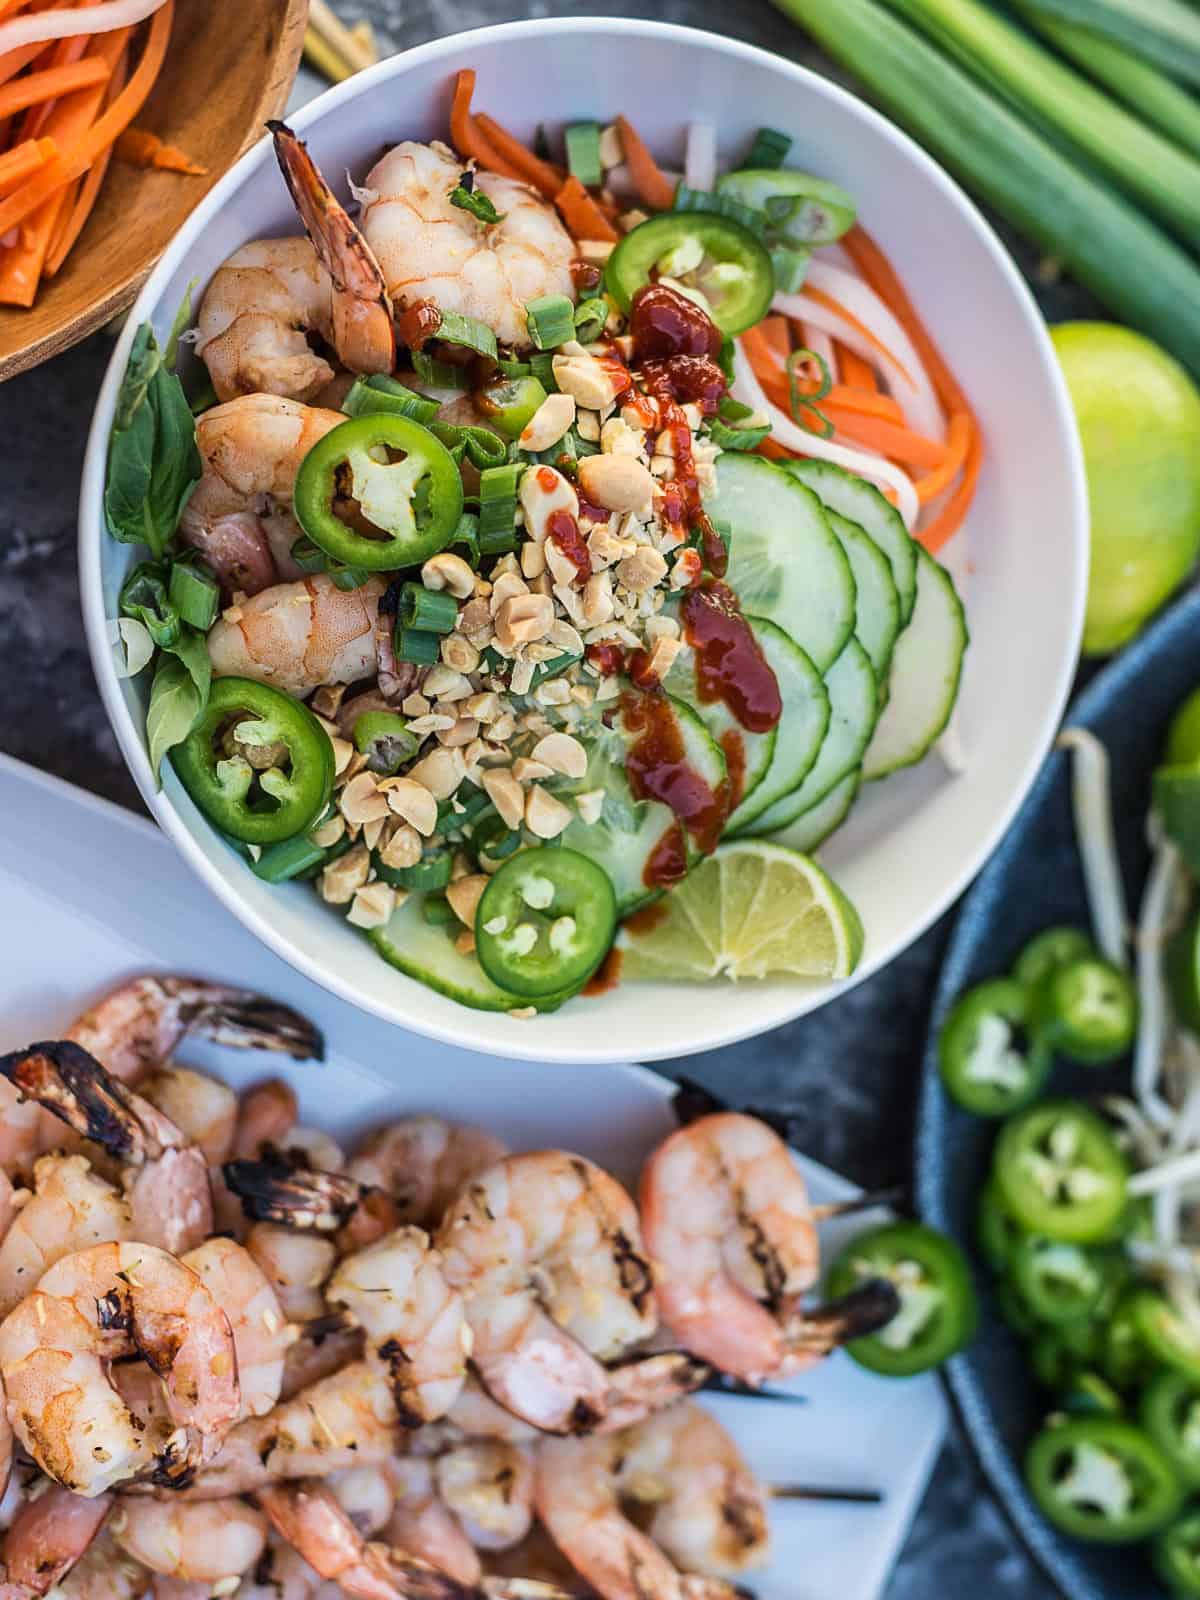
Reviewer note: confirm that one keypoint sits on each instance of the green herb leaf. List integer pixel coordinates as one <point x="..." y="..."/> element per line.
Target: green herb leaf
<point x="153" y="462"/>
<point x="175" y="703"/>
<point x="480" y="207"/>
<point x="183" y="321"/>
<point x="191" y="648"/>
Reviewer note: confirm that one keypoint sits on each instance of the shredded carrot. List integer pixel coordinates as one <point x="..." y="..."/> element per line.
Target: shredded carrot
<point x="897" y="443"/>
<point x="774" y="451"/>
<point x="532" y="168"/>
<point x="14" y="61"/>
<point x="73" y="161"/>
<point x="775" y="331"/>
<point x="143" y="149"/>
<point x="583" y="217"/>
<point x="839" y="310"/>
<point x="23" y="160"/>
<point x="37" y="87"/>
<point x="856" y="373"/>
<point x="464" y="130"/>
<point x="653" y="186"/>
<point x="948" y="521"/>
<point x="881" y="275"/>
<point x="866" y="403"/>
<point x="82" y="197"/>
<point x="21" y="267"/>
<point x="958" y="443"/>
<point x="763" y="349"/>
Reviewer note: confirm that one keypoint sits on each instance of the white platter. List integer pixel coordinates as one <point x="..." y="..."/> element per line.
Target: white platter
<point x="91" y="894"/>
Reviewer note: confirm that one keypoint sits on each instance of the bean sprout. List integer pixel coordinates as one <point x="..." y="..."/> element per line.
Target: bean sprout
<point x="1091" y="802"/>
<point x="700" y="160"/>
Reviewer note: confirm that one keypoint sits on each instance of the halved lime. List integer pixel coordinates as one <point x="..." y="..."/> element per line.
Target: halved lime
<point x="751" y="910"/>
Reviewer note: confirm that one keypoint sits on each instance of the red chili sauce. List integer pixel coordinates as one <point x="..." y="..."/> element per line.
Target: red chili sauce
<point x="563" y="530"/>
<point x="585" y="276"/>
<point x="730" y="667"/>
<point x="417" y="323"/>
<point x="658" y="769"/>
<point x="676" y="344"/>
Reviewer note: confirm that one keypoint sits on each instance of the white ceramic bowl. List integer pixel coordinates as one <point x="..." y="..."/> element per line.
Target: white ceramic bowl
<point x="915" y="841"/>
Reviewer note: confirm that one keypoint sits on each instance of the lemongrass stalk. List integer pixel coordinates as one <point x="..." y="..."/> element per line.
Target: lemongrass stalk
<point x="1166" y="32"/>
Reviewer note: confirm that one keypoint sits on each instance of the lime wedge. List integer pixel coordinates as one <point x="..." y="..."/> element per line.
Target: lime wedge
<point x="752" y="910"/>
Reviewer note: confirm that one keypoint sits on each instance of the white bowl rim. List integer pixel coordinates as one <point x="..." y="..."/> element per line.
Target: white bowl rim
<point x="92" y="533"/>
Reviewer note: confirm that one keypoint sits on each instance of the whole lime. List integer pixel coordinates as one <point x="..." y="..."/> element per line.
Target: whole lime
<point x="1139" y="415"/>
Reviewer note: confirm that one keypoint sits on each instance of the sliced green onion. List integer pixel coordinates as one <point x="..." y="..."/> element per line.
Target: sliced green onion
<point x="384" y="738"/>
<point x="721" y="205"/>
<point x="498" y="504"/>
<point x="468" y="331"/>
<point x="737" y="438"/>
<point x="769" y="149"/>
<point x="144" y="596"/>
<point x="439" y="374"/>
<point x="294" y="858"/>
<point x="581" y="446"/>
<point x="463" y="809"/>
<point x="513" y="369"/>
<point x="381" y="393"/>
<point x="410" y="644"/>
<point x="204" y="398"/>
<point x="195" y="594"/>
<point x="550" y="320"/>
<point x="554" y="668"/>
<point x="482" y="447"/>
<point x="480" y="207"/>
<point x="431" y="872"/>
<point x="732" y="410"/>
<point x="438" y="912"/>
<point x="590" y="316"/>
<point x="497" y="543"/>
<point x="427" y="610"/>
<point x="347" y="578"/>
<point x="804" y="407"/>
<point x="583" y="153"/>
<point x="311" y="559"/>
<point x="542" y="366"/>
<point x="790" y="265"/>
<point x="467" y="535"/>
<point x="725" y="358"/>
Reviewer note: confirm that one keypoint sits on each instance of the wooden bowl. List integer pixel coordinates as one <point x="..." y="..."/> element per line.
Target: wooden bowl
<point x="230" y="65"/>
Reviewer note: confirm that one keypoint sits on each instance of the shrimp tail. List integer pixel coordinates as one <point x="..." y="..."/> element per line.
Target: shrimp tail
<point x="68" y="1081"/>
<point x="272" y="1190"/>
<point x="863" y="1311"/>
<point x="362" y="309"/>
<point x="414" y="1578"/>
<point x="647" y="1383"/>
<point x="525" y="1589"/>
<point x="243" y="1020"/>
<point x="48" y="1536"/>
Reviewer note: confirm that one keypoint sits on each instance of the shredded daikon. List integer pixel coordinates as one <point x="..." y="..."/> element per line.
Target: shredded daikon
<point x="1162" y="887"/>
<point x="747" y="389"/>
<point x="819" y="342"/>
<point x="1091" y="802"/>
<point x="77" y="21"/>
<point x="860" y="300"/>
<point x="1179" y="1169"/>
<point x="700" y="159"/>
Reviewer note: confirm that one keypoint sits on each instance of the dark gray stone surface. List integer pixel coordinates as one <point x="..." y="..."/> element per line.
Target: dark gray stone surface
<point x="847" y="1075"/>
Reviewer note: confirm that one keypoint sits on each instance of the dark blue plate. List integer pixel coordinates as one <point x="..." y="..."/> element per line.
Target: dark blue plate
<point x="1033" y="880"/>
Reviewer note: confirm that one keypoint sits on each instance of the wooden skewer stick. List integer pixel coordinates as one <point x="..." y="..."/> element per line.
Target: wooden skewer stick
<point x="862" y="1202"/>
<point x="721" y="1383"/>
<point x="330" y="28"/>
<point x="802" y="1491"/>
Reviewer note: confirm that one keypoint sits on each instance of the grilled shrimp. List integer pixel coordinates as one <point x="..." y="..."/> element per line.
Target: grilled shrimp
<point x="50" y="1532"/>
<point x="309" y="1199"/>
<point x="6" y="1452"/>
<point x="431" y="250"/>
<point x="166" y="1180"/>
<point x="261" y="1333"/>
<point x="415" y="1323"/>
<point x="727" y="1219"/>
<point x="300" y="635"/>
<point x="422" y="1523"/>
<point x="71" y="1208"/>
<point x="240" y="514"/>
<point x="296" y="1265"/>
<point x="323" y="1348"/>
<point x="709" y="1514"/>
<point x="344" y="1420"/>
<point x="423" y="1162"/>
<point x="283" y="1574"/>
<point x="547" y="1252"/>
<point x="267" y="1113"/>
<point x="195" y="1541"/>
<point x="488" y="1485"/>
<point x="105" y="1572"/>
<point x="269" y="295"/>
<point x="202" y="1107"/>
<point x="93" y="1308"/>
<point x="366" y="1495"/>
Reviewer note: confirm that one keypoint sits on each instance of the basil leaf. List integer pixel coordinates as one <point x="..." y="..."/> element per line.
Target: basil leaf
<point x="480" y="207"/>
<point x="153" y="462"/>
<point x="191" y="648"/>
<point x="174" y="706"/>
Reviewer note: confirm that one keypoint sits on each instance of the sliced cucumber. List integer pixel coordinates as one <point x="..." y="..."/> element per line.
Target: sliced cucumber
<point x="814" y="826"/>
<point x="628" y="831"/>
<point x="785" y="563"/>
<point x="804" y="209"/>
<point x="427" y="953"/>
<point x="862" y="502"/>
<point x="802" y="727"/>
<point x="746" y="753"/>
<point x="926" y="670"/>
<point x="853" y="713"/>
<point x="877" y="610"/>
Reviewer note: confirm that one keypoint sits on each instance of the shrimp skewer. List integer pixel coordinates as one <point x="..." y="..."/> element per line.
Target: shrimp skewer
<point x="93" y="1308"/>
<point x="728" y="1221"/>
<point x="205" y="1542"/>
<point x="547" y="1251"/>
<point x="70" y="1207"/>
<point x="423" y="1162"/>
<point x="361" y="310"/>
<point x="166" y="1179"/>
<point x="709" y="1517"/>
